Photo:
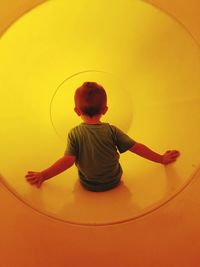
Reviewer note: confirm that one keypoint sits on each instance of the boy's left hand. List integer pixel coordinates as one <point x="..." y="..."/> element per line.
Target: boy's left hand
<point x="35" y="178"/>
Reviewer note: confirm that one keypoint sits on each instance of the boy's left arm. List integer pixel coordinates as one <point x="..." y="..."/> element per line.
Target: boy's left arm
<point x="37" y="178"/>
<point x="168" y="157"/>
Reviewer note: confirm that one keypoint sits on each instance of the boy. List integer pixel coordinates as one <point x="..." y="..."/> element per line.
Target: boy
<point x="93" y="145"/>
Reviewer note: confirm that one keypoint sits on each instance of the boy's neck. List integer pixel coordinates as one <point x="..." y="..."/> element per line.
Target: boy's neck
<point x="91" y="120"/>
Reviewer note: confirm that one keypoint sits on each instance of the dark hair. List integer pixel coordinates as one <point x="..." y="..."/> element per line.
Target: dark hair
<point x="90" y="98"/>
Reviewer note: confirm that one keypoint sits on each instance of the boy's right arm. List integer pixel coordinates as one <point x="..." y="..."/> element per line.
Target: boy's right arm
<point x="145" y="152"/>
<point x="37" y="178"/>
<point x="59" y="166"/>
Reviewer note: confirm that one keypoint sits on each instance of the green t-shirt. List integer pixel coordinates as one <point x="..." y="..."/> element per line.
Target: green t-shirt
<point x="96" y="147"/>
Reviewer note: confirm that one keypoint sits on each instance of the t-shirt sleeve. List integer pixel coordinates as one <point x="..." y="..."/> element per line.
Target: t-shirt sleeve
<point x="71" y="147"/>
<point x="122" y="141"/>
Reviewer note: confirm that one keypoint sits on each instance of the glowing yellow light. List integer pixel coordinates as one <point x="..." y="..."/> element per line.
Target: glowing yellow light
<point x="156" y="100"/>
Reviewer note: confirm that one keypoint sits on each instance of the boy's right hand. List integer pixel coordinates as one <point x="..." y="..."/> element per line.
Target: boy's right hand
<point x="170" y="156"/>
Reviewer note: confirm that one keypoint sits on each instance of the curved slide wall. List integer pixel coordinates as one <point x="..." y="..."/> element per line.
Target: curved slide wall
<point x="152" y="81"/>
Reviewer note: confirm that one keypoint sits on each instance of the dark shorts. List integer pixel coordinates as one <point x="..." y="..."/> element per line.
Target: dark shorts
<point x="98" y="187"/>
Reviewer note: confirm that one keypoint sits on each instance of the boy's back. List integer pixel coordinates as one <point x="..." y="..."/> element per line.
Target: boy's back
<point x="95" y="148"/>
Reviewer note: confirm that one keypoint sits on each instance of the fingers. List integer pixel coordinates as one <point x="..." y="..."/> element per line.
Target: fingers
<point x="169" y="161"/>
<point x="171" y="156"/>
<point x="173" y="152"/>
<point x="34" y="178"/>
<point x="32" y="181"/>
<point x="30" y="174"/>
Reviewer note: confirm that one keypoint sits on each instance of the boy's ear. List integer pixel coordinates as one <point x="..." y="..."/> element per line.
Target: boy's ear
<point x="105" y="110"/>
<point x="77" y="111"/>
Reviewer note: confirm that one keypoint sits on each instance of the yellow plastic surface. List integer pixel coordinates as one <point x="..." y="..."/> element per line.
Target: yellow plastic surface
<point x="149" y="65"/>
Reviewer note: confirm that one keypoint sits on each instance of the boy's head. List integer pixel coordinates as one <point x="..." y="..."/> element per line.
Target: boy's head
<point x="90" y="99"/>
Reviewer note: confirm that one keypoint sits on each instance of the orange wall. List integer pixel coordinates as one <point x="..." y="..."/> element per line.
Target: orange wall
<point x="185" y="11"/>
